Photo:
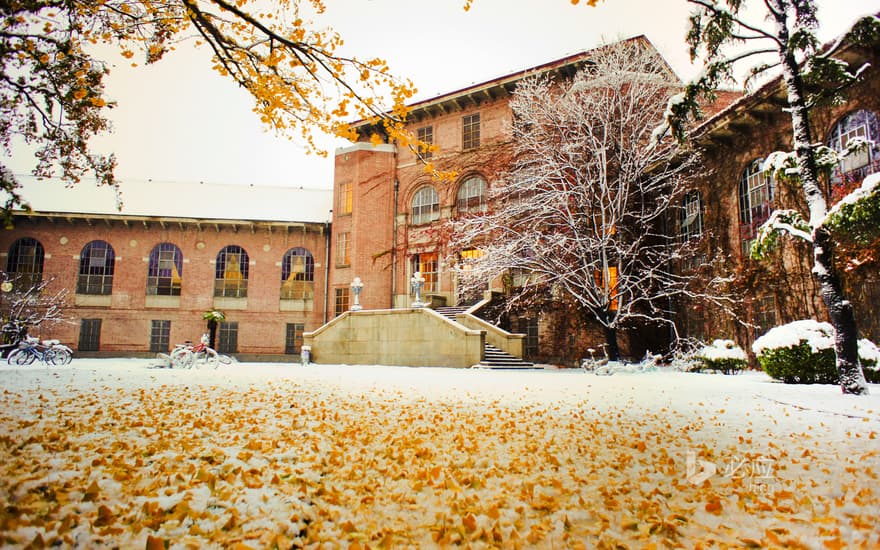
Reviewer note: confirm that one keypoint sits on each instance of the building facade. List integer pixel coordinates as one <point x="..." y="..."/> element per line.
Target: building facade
<point x="388" y="189"/>
<point x="277" y="267"/>
<point x="138" y="284"/>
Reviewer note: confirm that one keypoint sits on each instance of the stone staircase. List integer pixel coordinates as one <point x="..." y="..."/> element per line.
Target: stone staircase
<point x="493" y="357"/>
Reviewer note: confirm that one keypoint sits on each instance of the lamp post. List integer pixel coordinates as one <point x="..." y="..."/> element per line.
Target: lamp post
<point x="356" y="287"/>
<point x="417" y="282"/>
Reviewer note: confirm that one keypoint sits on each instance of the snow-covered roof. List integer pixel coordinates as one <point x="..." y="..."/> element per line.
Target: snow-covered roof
<point x="208" y="201"/>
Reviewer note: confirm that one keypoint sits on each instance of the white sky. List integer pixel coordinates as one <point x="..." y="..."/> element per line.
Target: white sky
<point x="179" y="121"/>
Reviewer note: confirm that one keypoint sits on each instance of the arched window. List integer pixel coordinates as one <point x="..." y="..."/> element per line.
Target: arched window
<point x="96" y="263"/>
<point x="231" y="273"/>
<point x="297" y="275"/>
<point x="857" y="125"/>
<point x="755" y="193"/>
<point x="425" y="206"/>
<point x="165" y="270"/>
<point x="472" y="196"/>
<point x="25" y="263"/>
<point x="691" y="216"/>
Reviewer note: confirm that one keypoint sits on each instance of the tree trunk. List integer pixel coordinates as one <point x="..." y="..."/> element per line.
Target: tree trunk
<point x="212" y="333"/>
<point x="612" y="349"/>
<point x="840" y="310"/>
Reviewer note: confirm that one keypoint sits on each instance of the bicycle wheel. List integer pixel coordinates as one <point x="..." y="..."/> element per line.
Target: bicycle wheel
<point x="209" y="358"/>
<point x="182" y="358"/>
<point x="225" y="359"/>
<point x="57" y="357"/>
<point x="20" y="357"/>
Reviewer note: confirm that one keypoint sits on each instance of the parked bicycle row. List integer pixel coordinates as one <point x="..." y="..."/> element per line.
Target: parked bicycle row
<point x="49" y="352"/>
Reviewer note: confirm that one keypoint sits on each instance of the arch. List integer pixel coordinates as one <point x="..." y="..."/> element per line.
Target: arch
<point x="24" y="265"/>
<point x="425" y="205"/>
<point x="297" y="274"/>
<point x="472" y="195"/>
<point x="165" y="270"/>
<point x="231" y="272"/>
<point x="96" y="265"/>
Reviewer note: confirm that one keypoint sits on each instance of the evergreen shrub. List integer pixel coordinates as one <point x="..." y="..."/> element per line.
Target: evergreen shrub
<point x="802" y="352"/>
<point x="724" y="356"/>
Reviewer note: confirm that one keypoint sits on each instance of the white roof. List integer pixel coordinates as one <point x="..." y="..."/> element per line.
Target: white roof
<point x="210" y="201"/>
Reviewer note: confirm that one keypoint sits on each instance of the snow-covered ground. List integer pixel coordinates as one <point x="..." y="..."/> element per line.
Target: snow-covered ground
<point x="113" y="453"/>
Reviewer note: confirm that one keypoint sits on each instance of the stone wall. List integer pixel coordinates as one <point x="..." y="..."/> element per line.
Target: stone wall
<point x="404" y="337"/>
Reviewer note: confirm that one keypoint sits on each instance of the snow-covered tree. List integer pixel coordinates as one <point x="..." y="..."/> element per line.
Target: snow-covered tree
<point x="583" y="213"/>
<point x="788" y="37"/>
<point x="25" y="302"/>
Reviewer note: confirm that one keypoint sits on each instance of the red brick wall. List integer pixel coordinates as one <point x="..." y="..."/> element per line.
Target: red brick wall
<point x="126" y="322"/>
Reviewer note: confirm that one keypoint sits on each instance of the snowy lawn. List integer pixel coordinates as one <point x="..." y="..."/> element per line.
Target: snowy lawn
<point x="112" y="453"/>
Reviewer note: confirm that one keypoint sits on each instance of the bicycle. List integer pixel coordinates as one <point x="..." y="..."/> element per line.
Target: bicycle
<point x="187" y="356"/>
<point x="30" y="350"/>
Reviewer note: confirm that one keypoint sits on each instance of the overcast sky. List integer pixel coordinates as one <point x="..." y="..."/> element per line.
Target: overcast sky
<point x="179" y="121"/>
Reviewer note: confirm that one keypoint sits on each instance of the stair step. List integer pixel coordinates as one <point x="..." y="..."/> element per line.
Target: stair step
<point x="495" y="358"/>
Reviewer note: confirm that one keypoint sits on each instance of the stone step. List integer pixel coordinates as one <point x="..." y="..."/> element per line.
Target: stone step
<point x="495" y="358"/>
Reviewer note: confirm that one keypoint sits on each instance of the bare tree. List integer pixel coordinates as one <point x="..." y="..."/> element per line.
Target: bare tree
<point x="25" y="303"/>
<point x="583" y="214"/>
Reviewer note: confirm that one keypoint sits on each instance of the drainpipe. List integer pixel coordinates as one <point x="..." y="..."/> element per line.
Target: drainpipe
<point x="394" y="238"/>
<point x="326" y="269"/>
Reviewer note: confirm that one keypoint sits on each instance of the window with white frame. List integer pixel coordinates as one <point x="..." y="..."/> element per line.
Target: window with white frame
<point x="691" y="216"/>
<point x="24" y="265"/>
<point x="426" y="263"/>
<point x="297" y="275"/>
<point x="96" y="262"/>
<point x="472" y="196"/>
<point x="755" y="193"/>
<point x="470" y="131"/>
<point x="857" y="125"/>
<point x="425" y="134"/>
<point x="425" y="206"/>
<point x="165" y="270"/>
<point x="231" y="272"/>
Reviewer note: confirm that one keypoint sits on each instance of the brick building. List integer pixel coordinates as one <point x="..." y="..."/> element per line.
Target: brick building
<point x="140" y="279"/>
<point x="388" y="221"/>
<point x="389" y="217"/>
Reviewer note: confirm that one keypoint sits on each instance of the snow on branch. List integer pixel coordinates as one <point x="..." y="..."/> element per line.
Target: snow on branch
<point x="859" y="211"/>
<point x="780" y="222"/>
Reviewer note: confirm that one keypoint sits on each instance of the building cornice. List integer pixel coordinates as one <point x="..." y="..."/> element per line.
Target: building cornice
<point x="166" y="222"/>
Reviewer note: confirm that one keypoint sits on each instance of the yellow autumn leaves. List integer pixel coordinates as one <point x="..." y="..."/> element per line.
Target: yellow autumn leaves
<point x="302" y="460"/>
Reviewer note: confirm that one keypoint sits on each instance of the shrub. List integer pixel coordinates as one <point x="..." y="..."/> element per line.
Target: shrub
<point x="802" y="352"/>
<point x="724" y="356"/>
<point x="869" y="355"/>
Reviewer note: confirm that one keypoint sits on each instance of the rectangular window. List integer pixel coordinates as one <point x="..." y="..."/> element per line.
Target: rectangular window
<point x="345" y="196"/>
<point x="342" y="249"/>
<point x="293" y="338"/>
<point x="529" y="327"/>
<point x="341" y="300"/>
<point x="607" y="285"/>
<point x="227" y="337"/>
<point x="425" y="134"/>
<point x="160" y="336"/>
<point x="764" y="314"/>
<point x="426" y="264"/>
<point x="89" y="335"/>
<point x="470" y="131"/>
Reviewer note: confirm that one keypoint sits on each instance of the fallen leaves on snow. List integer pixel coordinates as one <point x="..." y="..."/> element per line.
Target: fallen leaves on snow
<point x="288" y="464"/>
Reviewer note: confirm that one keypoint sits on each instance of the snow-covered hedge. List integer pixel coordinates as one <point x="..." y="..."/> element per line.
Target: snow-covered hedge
<point x="724" y="356"/>
<point x="802" y="352"/>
